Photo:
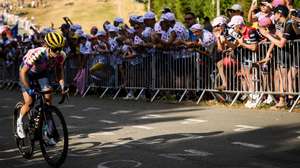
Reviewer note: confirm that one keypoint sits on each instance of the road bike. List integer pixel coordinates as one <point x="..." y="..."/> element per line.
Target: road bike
<point x="46" y="125"/>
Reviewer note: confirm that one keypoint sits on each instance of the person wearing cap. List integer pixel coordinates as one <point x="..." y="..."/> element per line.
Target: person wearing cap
<point x="177" y="27"/>
<point x="118" y="21"/>
<point x="265" y="11"/>
<point x="100" y="51"/>
<point x="235" y="9"/>
<point x="295" y="20"/>
<point x="190" y="20"/>
<point x="165" y="35"/>
<point x="133" y="20"/>
<point x="284" y="69"/>
<point x="247" y="38"/>
<point x="219" y="27"/>
<point x="149" y="21"/>
<point x="205" y="38"/>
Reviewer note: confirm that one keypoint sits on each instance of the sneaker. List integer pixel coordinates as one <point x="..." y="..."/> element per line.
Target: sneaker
<point x="269" y="100"/>
<point x="248" y="103"/>
<point x="129" y="96"/>
<point x="244" y="97"/>
<point x="20" y="130"/>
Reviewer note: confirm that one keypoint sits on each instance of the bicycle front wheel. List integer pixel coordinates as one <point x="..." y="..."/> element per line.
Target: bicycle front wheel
<point x="54" y="140"/>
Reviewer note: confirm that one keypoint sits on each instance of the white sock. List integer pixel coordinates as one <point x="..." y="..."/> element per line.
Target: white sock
<point x="20" y="118"/>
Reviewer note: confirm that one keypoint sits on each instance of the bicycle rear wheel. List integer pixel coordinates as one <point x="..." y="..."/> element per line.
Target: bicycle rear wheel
<point x="26" y="145"/>
<point x="54" y="140"/>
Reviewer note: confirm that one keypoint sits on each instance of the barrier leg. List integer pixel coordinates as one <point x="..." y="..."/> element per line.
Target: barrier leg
<point x="294" y="105"/>
<point x="182" y="96"/>
<point x="235" y="98"/>
<point x="201" y="96"/>
<point x="116" y="95"/>
<point x="156" y="93"/>
<point x="139" y="95"/>
<point x="87" y="90"/>
<point x="102" y="95"/>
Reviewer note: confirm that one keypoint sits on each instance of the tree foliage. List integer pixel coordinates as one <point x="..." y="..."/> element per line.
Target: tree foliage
<point x="201" y="8"/>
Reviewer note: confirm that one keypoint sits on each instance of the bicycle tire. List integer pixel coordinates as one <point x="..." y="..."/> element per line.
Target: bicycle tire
<point x="61" y="159"/>
<point x="26" y="154"/>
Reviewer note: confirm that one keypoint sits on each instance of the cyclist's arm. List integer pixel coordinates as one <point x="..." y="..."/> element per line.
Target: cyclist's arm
<point x="60" y="75"/>
<point x="23" y="76"/>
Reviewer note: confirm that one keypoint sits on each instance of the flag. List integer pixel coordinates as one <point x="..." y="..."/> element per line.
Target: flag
<point x="15" y="30"/>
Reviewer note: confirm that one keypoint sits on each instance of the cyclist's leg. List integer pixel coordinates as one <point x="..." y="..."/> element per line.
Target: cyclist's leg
<point x="44" y="84"/>
<point x="26" y="106"/>
<point x="23" y="111"/>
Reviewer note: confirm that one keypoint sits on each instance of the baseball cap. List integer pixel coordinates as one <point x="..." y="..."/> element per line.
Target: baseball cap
<point x="149" y="15"/>
<point x="134" y="18"/>
<point x="169" y="17"/>
<point x="282" y="10"/>
<point x="236" y="7"/>
<point x="236" y="20"/>
<point x="113" y="29"/>
<point x="140" y="19"/>
<point x="101" y="33"/>
<point x="196" y="27"/>
<point x="119" y="20"/>
<point x="220" y="20"/>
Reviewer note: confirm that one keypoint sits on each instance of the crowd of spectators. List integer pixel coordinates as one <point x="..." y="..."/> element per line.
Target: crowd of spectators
<point x="268" y="21"/>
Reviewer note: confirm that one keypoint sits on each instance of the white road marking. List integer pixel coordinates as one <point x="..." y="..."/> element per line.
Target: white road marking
<point x="250" y="145"/>
<point x="11" y="158"/>
<point x="77" y="117"/>
<point x="143" y="127"/>
<point x="66" y="106"/>
<point x="193" y="121"/>
<point x="242" y="128"/>
<point x="124" y="163"/>
<point x="198" y="153"/>
<point x="91" y="109"/>
<point x="151" y="116"/>
<point x="6" y="118"/>
<point x="184" y="139"/>
<point x="107" y="121"/>
<point x="187" y="153"/>
<point x="121" y="112"/>
<point x="170" y="156"/>
<point x="4" y="106"/>
<point x="10" y="150"/>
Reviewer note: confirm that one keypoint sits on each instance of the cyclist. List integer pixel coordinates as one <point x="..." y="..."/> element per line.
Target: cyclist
<point x="37" y="65"/>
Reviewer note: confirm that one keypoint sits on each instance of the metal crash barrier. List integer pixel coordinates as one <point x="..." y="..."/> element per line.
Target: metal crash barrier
<point x="236" y="73"/>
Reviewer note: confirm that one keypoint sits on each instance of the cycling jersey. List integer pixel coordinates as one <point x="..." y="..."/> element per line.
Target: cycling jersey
<point x="38" y="61"/>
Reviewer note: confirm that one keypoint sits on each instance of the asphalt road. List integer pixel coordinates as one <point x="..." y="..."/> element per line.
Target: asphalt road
<point x="129" y="134"/>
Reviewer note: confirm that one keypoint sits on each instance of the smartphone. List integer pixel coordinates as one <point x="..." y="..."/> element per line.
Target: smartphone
<point x="254" y="3"/>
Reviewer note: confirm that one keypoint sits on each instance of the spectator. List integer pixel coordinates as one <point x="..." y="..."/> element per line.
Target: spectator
<point x="247" y="38"/>
<point x="207" y="25"/>
<point x="190" y="20"/>
<point x="234" y="10"/>
<point x="284" y="32"/>
<point x="265" y="11"/>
